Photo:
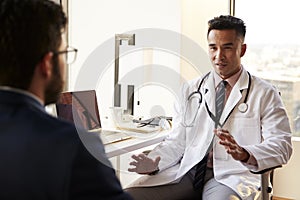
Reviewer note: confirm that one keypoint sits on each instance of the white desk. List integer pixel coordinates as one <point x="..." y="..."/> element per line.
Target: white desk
<point x="138" y="142"/>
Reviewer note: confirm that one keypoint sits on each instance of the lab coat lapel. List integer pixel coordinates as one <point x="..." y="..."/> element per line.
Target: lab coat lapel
<point x="235" y="95"/>
<point x="210" y="93"/>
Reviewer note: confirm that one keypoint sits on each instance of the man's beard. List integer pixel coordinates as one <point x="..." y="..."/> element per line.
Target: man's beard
<point x="55" y="85"/>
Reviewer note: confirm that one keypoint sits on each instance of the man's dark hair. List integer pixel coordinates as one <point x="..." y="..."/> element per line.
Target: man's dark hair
<point x="29" y="30"/>
<point x="227" y="22"/>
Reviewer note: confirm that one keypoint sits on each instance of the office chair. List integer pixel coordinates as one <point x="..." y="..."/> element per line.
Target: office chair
<point x="266" y="176"/>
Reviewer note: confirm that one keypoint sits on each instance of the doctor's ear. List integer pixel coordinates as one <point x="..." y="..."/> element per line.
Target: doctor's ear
<point x="243" y="49"/>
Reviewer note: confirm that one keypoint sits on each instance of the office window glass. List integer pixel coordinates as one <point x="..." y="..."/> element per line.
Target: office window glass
<point x="273" y="40"/>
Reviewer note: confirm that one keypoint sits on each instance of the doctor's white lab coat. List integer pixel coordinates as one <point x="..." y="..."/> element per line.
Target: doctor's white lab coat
<point x="263" y="130"/>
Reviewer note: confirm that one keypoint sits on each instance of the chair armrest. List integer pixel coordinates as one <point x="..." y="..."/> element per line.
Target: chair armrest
<point x="266" y="170"/>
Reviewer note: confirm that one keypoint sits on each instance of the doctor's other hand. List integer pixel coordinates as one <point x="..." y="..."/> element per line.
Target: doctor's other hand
<point x="144" y="164"/>
<point x="231" y="146"/>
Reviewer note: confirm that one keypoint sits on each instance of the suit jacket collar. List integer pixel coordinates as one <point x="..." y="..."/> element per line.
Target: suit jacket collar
<point x="11" y="97"/>
<point x="233" y="99"/>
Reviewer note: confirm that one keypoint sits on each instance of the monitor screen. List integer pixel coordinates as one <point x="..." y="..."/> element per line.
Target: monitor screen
<point x="80" y="108"/>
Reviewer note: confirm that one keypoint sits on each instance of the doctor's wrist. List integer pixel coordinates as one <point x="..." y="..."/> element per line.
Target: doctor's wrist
<point x="246" y="156"/>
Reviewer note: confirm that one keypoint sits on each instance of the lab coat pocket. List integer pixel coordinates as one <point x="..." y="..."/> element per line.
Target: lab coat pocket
<point x="246" y="131"/>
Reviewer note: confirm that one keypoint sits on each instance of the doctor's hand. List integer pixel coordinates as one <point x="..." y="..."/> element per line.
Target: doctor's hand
<point x="144" y="164"/>
<point x="231" y="146"/>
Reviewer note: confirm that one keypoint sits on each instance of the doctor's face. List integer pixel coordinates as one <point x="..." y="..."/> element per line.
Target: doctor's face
<point x="225" y="51"/>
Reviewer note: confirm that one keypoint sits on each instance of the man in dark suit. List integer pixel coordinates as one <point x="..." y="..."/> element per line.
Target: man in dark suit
<point x="41" y="156"/>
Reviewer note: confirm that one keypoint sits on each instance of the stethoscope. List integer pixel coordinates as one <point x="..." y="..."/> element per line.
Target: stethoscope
<point x="242" y="107"/>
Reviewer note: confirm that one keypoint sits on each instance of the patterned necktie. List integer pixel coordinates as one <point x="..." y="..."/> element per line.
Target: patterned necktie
<point x="202" y="165"/>
<point x="220" y="99"/>
<point x="200" y="173"/>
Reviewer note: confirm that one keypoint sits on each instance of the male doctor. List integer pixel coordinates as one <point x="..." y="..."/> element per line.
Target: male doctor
<point x="252" y="133"/>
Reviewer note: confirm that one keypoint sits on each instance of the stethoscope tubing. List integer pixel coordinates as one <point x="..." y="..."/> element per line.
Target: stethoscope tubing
<point x="209" y="112"/>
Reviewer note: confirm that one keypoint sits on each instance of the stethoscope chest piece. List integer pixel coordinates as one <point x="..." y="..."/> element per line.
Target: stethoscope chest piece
<point x="243" y="107"/>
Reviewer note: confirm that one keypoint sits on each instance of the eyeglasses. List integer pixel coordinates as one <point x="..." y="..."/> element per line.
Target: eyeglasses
<point x="71" y="54"/>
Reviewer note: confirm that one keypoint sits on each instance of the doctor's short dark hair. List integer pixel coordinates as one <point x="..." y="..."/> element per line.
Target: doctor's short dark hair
<point x="227" y="22"/>
<point x="29" y="30"/>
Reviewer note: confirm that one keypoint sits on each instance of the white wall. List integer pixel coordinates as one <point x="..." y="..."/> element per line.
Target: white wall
<point x="286" y="179"/>
<point x="93" y="25"/>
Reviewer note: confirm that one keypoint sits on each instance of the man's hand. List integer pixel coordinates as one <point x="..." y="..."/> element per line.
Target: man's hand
<point x="232" y="147"/>
<point x="144" y="164"/>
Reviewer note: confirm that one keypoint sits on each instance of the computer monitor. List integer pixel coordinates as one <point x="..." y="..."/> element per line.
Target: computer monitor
<point x="79" y="107"/>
